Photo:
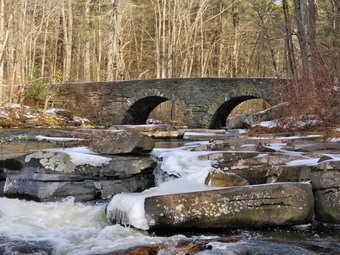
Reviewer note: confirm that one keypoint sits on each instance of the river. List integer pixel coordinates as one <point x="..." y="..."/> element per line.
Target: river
<point x="82" y="228"/>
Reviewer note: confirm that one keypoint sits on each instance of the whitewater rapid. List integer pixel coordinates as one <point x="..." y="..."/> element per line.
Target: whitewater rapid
<point x="71" y="228"/>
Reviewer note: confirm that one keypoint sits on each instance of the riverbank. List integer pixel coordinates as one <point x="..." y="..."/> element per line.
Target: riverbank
<point x="23" y="116"/>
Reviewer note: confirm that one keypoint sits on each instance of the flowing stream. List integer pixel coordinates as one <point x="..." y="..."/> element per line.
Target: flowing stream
<point x="82" y="228"/>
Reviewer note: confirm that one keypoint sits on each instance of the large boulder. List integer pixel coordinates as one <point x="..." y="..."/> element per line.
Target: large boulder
<point x="217" y="178"/>
<point x="278" y="204"/>
<point x="55" y="174"/>
<point x="123" y="142"/>
<point x="325" y="178"/>
<point x="238" y="121"/>
<point x="252" y="166"/>
<point x="327" y="204"/>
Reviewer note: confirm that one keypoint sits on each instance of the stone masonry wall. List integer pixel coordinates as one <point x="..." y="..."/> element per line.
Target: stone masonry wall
<point x="130" y="102"/>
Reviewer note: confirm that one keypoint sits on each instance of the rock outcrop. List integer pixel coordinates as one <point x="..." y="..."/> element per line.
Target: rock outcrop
<point x="325" y="179"/>
<point x="265" y="205"/>
<point x="55" y="174"/>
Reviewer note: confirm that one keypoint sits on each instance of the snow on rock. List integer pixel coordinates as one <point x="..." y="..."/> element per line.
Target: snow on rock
<point x="59" y="139"/>
<point x="82" y="156"/>
<point x="128" y="209"/>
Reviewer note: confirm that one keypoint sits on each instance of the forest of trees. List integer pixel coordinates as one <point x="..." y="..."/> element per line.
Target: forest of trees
<point x="59" y="41"/>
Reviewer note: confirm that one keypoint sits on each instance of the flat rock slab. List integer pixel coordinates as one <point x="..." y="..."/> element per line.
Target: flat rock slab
<point x="164" y="134"/>
<point x="277" y="204"/>
<point x="313" y="146"/>
<point x="53" y="175"/>
<point x="123" y="142"/>
<point x="144" y="128"/>
<point x="50" y="191"/>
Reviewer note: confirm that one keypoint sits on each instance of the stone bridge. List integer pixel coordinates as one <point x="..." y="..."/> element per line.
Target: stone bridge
<point x="205" y="102"/>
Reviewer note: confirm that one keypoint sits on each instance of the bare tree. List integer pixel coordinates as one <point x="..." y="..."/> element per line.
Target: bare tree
<point x="67" y="19"/>
<point x="305" y="16"/>
<point x="289" y="47"/>
<point x="116" y="65"/>
<point x="236" y="25"/>
<point x="87" y="46"/>
<point x="4" y="33"/>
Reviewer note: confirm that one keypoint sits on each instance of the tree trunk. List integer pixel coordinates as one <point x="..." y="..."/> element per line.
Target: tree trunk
<point x="116" y="65"/>
<point x="87" y="54"/>
<point x="236" y="25"/>
<point x="3" y="41"/>
<point x="289" y="47"/>
<point x="305" y="15"/>
<point x="68" y="39"/>
<point x="119" y="42"/>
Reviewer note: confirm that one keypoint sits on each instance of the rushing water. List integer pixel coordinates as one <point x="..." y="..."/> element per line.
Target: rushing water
<point x="82" y="228"/>
<point x="75" y="228"/>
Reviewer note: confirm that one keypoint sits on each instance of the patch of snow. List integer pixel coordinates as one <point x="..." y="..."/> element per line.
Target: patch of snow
<point x="196" y="143"/>
<point x="276" y="146"/>
<point x="304" y="162"/>
<point x="79" y="119"/>
<point x="242" y="131"/>
<point x="82" y="156"/>
<point x="335" y="139"/>
<point x="202" y="135"/>
<point x="4" y="114"/>
<point x="261" y="155"/>
<point x="247" y="145"/>
<point x="283" y="137"/>
<point x="82" y="149"/>
<point x="11" y="105"/>
<point x="153" y="121"/>
<point x="54" y="110"/>
<point x="41" y="137"/>
<point x="268" y="124"/>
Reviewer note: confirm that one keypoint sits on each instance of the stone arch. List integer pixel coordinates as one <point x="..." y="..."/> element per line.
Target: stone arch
<point x="219" y="118"/>
<point x="138" y="108"/>
<point x="225" y="103"/>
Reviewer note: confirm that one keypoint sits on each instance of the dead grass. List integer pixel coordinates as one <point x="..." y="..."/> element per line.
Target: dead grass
<point x="313" y="105"/>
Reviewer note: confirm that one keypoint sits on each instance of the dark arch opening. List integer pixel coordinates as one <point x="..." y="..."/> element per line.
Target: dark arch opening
<point x="140" y="110"/>
<point x="168" y="112"/>
<point x="220" y="116"/>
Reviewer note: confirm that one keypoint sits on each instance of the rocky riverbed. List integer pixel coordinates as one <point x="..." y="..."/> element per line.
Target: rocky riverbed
<point x="221" y="182"/>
